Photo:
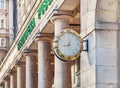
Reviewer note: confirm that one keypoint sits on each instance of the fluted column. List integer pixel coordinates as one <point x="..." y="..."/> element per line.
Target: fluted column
<point x="45" y="75"/>
<point x="20" y="74"/>
<point x="62" y="69"/>
<point x="13" y="79"/>
<point x="31" y="74"/>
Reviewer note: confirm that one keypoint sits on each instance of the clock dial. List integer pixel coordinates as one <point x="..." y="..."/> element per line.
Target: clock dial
<point x="67" y="45"/>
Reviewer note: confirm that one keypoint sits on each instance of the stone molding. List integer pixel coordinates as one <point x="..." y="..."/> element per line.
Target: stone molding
<point x="29" y="52"/>
<point x="44" y="37"/>
<point x="63" y="15"/>
<point x="20" y="63"/>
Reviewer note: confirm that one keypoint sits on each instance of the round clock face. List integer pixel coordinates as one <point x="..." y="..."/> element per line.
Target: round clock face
<point x="68" y="45"/>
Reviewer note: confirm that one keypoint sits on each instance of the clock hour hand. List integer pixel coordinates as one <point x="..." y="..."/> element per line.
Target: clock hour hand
<point x="67" y="44"/>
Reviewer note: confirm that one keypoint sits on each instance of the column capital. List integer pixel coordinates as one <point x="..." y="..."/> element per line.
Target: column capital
<point x="44" y="37"/>
<point x="20" y="63"/>
<point x="29" y="52"/>
<point x="7" y="77"/>
<point x="63" y="15"/>
<point x="11" y="72"/>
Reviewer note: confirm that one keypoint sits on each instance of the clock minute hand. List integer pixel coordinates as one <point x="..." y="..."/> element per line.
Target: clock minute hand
<point x="70" y="41"/>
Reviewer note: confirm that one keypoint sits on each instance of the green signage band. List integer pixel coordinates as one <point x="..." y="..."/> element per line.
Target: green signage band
<point x="27" y="32"/>
<point x="41" y="10"/>
<point x="43" y="7"/>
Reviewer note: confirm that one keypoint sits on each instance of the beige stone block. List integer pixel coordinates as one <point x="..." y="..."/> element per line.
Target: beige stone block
<point x="83" y="7"/>
<point x="107" y="10"/>
<point x="83" y="53"/>
<point x="110" y="85"/>
<point x="83" y="23"/>
<point x="90" y="18"/>
<point x="106" y="16"/>
<point x="88" y="78"/>
<point x="90" y="29"/>
<point x="92" y="57"/>
<point x="88" y="59"/>
<point x="91" y="4"/>
<point x="106" y="38"/>
<point x="84" y="63"/>
<point x="106" y="25"/>
<point x="118" y="60"/>
<point x="83" y="33"/>
<point x="90" y="86"/>
<point x="105" y="56"/>
<point x="87" y="5"/>
<point x="91" y="41"/>
<point x="106" y="74"/>
<point x="87" y="21"/>
<point x="111" y="5"/>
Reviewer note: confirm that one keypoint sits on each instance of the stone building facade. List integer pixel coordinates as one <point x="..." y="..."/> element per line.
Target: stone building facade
<point x="30" y="61"/>
<point x="6" y="27"/>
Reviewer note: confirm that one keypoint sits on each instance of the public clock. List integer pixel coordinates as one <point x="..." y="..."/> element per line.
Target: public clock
<point x="67" y="45"/>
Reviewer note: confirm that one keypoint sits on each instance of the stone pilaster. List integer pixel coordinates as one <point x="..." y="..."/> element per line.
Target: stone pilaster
<point x="99" y="25"/>
<point x="11" y="21"/>
<point x="62" y="69"/>
<point x="31" y="73"/>
<point x="11" y="14"/>
<point x="45" y="74"/>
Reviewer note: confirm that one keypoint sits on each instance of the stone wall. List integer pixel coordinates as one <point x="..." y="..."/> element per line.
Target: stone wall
<point x="99" y="24"/>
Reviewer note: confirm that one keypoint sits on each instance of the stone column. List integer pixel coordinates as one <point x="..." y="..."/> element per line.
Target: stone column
<point x="62" y="69"/>
<point x="2" y="85"/>
<point x="7" y="82"/>
<point x="13" y="79"/>
<point x="45" y="75"/>
<point x="31" y="74"/>
<point x="21" y="74"/>
<point x="10" y="21"/>
<point x="99" y="24"/>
